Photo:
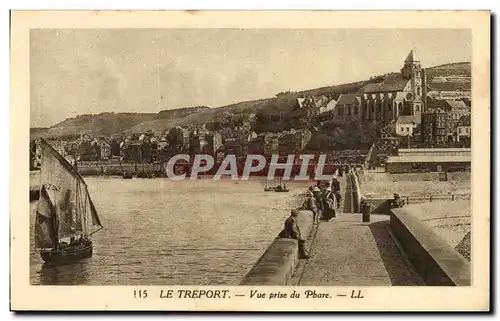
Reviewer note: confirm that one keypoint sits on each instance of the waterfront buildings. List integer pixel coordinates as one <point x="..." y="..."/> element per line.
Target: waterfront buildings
<point x="429" y="160"/>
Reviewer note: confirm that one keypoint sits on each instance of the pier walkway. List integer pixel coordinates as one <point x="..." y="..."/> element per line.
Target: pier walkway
<point x="346" y="251"/>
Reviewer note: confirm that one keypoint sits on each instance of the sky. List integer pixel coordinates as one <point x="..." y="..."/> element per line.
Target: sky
<point x="89" y="71"/>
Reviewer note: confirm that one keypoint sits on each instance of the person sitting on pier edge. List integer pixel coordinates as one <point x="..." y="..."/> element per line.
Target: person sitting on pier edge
<point x="319" y="202"/>
<point x="292" y="231"/>
<point x="397" y="202"/>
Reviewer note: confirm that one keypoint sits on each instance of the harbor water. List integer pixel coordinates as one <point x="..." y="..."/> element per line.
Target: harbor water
<point x="163" y="232"/>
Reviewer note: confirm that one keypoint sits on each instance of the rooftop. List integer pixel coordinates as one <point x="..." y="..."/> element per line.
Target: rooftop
<point x="392" y="82"/>
<point x="412" y="57"/>
<point x="348" y="99"/>
<point x="430" y="159"/>
<point x="457" y="104"/>
<point x="408" y="119"/>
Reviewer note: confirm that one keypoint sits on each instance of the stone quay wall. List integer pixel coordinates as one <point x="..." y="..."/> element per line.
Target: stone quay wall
<point x="277" y="265"/>
<point x="435" y="260"/>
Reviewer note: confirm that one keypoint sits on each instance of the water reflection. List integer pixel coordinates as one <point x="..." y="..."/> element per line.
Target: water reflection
<point x="75" y="273"/>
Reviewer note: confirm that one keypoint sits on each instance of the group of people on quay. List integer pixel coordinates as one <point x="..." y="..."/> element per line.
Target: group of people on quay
<point x="322" y="199"/>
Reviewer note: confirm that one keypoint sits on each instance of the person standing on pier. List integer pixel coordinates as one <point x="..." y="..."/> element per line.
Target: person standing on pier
<point x="319" y="202"/>
<point x="336" y="190"/>
<point x="310" y="204"/>
<point x="329" y="202"/>
<point x="292" y="231"/>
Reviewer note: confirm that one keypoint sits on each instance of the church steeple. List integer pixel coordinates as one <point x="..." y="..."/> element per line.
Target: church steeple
<point x="412" y="57"/>
<point x="412" y="70"/>
<point x="411" y="65"/>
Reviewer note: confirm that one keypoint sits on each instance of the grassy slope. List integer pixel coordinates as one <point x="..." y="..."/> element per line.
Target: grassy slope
<point x="108" y="123"/>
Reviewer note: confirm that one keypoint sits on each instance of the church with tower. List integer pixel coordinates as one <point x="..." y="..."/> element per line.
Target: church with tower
<point x="397" y="94"/>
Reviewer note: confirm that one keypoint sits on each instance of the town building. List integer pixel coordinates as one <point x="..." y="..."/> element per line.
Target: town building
<point x="307" y="106"/>
<point x="186" y="137"/>
<point x="435" y="127"/>
<point x="214" y="141"/>
<point x="399" y="94"/>
<point x="286" y="143"/>
<point x="105" y="150"/>
<point x="429" y="160"/>
<point x="464" y="129"/>
<point x="271" y="143"/>
<point x="457" y="109"/>
<point x="456" y="94"/>
<point x="328" y="107"/>
<point x="405" y="125"/>
<point x="347" y="108"/>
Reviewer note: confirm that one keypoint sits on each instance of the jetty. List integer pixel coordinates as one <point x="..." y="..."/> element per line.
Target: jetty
<point x="355" y="249"/>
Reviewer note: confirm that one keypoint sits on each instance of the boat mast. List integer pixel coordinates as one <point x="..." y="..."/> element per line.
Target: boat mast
<point x="84" y="218"/>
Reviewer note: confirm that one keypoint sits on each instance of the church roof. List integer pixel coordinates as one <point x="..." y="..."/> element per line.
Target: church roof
<point x="348" y="99"/>
<point x="392" y="82"/>
<point x="412" y="57"/>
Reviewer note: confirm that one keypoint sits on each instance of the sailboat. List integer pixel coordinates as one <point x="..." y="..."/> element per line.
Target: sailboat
<point x="281" y="187"/>
<point x="278" y="188"/>
<point x="66" y="216"/>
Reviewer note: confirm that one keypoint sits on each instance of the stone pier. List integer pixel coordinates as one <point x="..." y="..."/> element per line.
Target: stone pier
<point x="346" y="251"/>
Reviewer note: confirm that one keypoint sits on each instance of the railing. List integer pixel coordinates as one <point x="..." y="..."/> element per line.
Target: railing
<point x="434" y="198"/>
<point x="368" y="158"/>
<point x="352" y="180"/>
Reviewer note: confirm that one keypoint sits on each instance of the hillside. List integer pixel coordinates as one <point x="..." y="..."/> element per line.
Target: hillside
<point x="453" y="76"/>
<point x="181" y="112"/>
<point x="450" y="77"/>
<point x="99" y="124"/>
<point x="200" y="117"/>
<point x="109" y="123"/>
<point x="38" y="131"/>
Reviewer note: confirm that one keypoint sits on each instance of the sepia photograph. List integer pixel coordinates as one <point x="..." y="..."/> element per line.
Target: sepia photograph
<point x="212" y="162"/>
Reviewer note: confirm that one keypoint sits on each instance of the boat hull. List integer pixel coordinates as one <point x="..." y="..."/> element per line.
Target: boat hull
<point x="68" y="254"/>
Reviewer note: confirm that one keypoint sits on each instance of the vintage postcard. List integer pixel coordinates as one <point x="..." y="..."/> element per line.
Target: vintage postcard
<point x="250" y="161"/>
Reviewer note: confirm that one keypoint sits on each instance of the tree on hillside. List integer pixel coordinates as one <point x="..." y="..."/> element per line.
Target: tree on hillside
<point x="225" y="118"/>
<point x="174" y="138"/>
<point x="213" y="126"/>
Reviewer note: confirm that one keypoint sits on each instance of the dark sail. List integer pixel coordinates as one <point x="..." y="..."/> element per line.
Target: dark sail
<point x="46" y="223"/>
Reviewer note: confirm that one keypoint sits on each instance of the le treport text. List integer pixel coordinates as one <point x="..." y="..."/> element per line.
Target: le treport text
<point x="225" y="294"/>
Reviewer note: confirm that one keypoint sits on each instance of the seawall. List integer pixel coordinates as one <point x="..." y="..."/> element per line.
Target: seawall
<point x="435" y="260"/>
<point x="277" y="264"/>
